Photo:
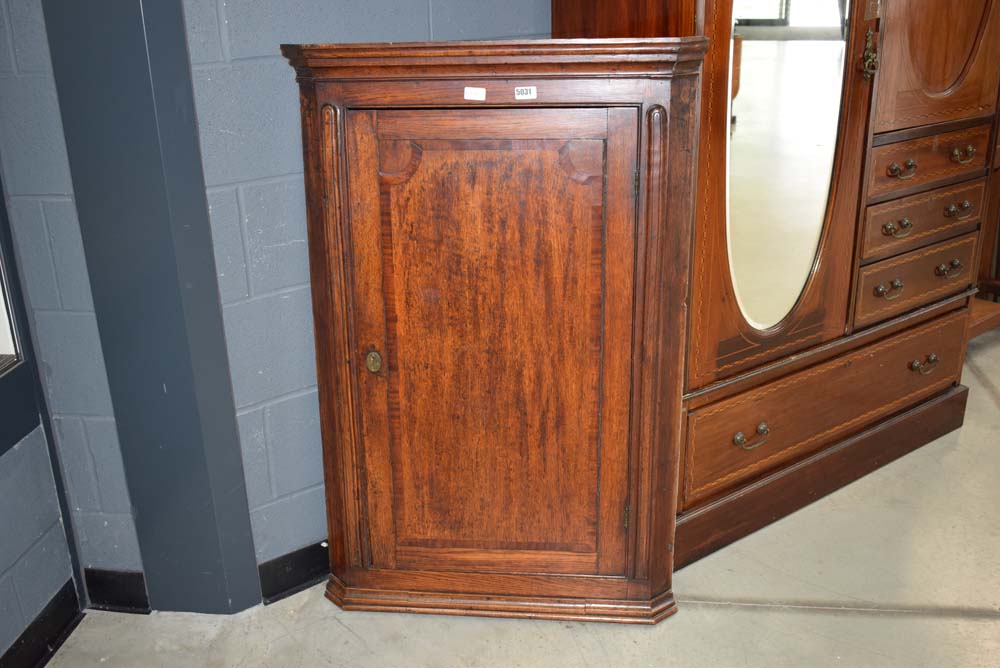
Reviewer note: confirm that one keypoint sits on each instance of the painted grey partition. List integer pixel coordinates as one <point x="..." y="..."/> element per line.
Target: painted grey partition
<point x="248" y="119"/>
<point x="57" y="291"/>
<point x="124" y="84"/>
<point x="34" y="557"/>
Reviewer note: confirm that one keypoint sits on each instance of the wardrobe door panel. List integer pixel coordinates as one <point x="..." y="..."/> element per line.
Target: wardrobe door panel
<point x="727" y="339"/>
<point x="938" y="62"/>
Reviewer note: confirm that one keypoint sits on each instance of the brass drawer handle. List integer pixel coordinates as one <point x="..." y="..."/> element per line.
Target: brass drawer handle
<point x="963" y="156"/>
<point x="951" y="270"/>
<point x="926" y="367"/>
<point x="959" y="211"/>
<point x="898" y="231"/>
<point x="907" y="171"/>
<point x="740" y="439"/>
<point x="890" y="293"/>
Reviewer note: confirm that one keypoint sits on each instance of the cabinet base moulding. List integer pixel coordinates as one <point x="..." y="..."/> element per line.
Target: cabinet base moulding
<point x="489" y="605"/>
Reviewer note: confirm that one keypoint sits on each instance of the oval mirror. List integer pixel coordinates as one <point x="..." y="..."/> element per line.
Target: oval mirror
<point x="787" y="71"/>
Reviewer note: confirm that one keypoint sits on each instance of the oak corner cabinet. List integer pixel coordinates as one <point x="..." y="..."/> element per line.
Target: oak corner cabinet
<point x="499" y="238"/>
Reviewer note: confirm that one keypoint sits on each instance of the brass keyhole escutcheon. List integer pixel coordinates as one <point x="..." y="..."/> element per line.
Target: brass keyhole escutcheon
<point x="373" y="361"/>
<point x="869" y="60"/>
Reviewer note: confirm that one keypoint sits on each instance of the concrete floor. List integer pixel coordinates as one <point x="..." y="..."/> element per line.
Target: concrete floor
<point x="898" y="569"/>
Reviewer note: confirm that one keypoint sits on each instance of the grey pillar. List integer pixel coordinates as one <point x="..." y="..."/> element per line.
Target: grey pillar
<point x="124" y="81"/>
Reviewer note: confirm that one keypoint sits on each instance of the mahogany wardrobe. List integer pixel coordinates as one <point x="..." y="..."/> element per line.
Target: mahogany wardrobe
<point x="844" y="175"/>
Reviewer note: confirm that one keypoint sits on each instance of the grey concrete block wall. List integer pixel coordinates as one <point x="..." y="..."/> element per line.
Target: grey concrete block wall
<point x="34" y="557"/>
<point x="248" y="118"/>
<point x="57" y="291"/>
<point x="461" y="19"/>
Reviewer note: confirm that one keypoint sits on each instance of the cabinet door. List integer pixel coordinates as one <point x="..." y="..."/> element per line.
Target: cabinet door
<point x="940" y="62"/>
<point x="493" y="271"/>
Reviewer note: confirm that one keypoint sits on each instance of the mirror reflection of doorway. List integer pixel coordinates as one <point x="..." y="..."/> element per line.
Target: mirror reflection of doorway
<point x="761" y="12"/>
<point x="799" y="18"/>
<point x="786" y="104"/>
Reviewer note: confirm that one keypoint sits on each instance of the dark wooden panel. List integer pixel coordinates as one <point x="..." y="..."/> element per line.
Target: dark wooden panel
<point x="624" y="18"/>
<point x="715" y="525"/>
<point x="891" y="287"/>
<point x="938" y="62"/>
<point x="920" y="163"/>
<point x="902" y="225"/>
<point x="858" y="389"/>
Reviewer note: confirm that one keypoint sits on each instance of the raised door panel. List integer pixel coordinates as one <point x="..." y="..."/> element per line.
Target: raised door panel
<point x="493" y="262"/>
<point x="938" y="62"/>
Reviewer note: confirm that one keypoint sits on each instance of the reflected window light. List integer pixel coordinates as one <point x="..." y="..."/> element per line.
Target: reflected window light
<point x="8" y="345"/>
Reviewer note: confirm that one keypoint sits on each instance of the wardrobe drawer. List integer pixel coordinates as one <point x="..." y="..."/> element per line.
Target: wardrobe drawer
<point x="903" y="165"/>
<point x="918" y="220"/>
<point x="743" y="436"/>
<point x="891" y="287"/>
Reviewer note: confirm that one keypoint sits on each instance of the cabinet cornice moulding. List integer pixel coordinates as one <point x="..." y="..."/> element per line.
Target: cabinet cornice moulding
<point x="652" y="57"/>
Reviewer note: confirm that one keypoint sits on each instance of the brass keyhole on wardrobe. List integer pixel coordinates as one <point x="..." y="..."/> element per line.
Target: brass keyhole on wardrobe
<point x="373" y="361"/>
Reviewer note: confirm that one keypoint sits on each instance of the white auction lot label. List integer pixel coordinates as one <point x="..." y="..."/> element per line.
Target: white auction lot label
<point x="526" y="93"/>
<point x="474" y="93"/>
